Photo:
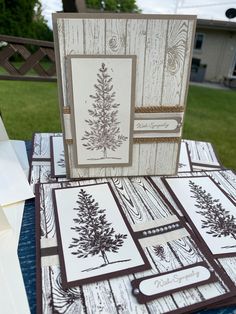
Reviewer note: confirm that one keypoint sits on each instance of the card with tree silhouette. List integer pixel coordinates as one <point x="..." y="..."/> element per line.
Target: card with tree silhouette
<point x="208" y="209"/>
<point x="102" y="89"/>
<point x="95" y="240"/>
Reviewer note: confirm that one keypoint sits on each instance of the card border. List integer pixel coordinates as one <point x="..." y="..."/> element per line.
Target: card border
<point x="69" y="284"/>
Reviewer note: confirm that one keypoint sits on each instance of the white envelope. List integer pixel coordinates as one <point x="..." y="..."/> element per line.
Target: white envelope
<point x="14" y="215"/>
<point x="14" y="186"/>
<point x="3" y="132"/>
<point x="13" y="299"/>
<point x="21" y="153"/>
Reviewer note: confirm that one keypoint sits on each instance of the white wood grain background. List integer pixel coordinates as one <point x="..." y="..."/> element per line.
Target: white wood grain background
<point x="163" y="49"/>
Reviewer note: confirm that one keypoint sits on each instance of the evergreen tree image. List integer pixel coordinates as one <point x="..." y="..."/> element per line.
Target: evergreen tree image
<point x="96" y="236"/>
<point x="159" y="251"/>
<point x="61" y="162"/>
<point x="217" y="220"/>
<point x="104" y="133"/>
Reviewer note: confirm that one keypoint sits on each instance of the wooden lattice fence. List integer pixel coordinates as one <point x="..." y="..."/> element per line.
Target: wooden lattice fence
<point x="26" y="59"/>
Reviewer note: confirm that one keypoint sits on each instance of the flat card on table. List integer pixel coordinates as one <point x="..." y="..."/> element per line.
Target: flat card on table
<point x="202" y="156"/>
<point x="122" y="102"/>
<point x="184" y="159"/>
<point x="208" y="209"/>
<point x="226" y="179"/>
<point x="42" y="158"/>
<point x="95" y="239"/>
<point x="167" y="245"/>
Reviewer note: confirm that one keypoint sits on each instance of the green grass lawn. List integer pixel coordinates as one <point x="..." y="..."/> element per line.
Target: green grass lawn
<point x="211" y="117"/>
<point x="29" y="107"/>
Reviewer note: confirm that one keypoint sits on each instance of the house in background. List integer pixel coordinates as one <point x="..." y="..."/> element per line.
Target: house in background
<point x="214" y="52"/>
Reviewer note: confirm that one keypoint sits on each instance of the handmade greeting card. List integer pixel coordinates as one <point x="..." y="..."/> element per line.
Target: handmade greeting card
<point x="203" y="156"/>
<point x="95" y="239"/>
<point x="122" y="84"/>
<point x="184" y="159"/>
<point x="208" y="209"/>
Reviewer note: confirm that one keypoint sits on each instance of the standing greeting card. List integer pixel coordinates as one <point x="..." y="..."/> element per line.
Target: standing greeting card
<point x="122" y="85"/>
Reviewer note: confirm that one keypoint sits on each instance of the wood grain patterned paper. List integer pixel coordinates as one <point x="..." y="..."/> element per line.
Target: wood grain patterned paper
<point x="99" y="91"/>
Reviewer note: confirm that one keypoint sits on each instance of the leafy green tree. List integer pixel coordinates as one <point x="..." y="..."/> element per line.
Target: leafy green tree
<point x="23" y="18"/>
<point x="115" y="5"/>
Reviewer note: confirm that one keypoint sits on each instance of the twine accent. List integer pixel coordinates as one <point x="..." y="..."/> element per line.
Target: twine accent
<point x="68" y="141"/>
<point x="156" y="109"/>
<point x="66" y="110"/>
<point x="156" y="140"/>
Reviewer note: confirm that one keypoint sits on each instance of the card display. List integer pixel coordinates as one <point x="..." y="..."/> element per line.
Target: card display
<point x="169" y="247"/>
<point x="95" y="239"/>
<point x="122" y="106"/>
<point x="173" y="249"/>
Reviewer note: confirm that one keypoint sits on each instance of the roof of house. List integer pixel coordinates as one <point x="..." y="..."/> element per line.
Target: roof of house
<point x="216" y="24"/>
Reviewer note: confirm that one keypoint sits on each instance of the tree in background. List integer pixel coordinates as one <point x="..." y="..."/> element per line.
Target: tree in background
<point x="114" y="5"/>
<point x="23" y="18"/>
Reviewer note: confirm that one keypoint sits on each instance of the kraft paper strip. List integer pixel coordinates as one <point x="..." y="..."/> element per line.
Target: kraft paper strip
<point x="153" y="109"/>
<point x="156" y="140"/>
<point x="69" y="141"/>
<point x="66" y="110"/>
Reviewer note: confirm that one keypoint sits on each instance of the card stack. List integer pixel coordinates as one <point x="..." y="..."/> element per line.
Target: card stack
<point x="134" y="244"/>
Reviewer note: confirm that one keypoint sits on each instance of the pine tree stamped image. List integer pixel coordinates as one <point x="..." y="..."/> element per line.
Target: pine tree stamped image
<point x="96" y="236"/>
<point x="61" y="162"/>
<point x="104" y="132"/>
<point x="218" y="220"/>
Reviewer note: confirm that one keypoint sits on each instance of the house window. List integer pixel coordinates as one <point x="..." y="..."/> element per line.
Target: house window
<point x="234" y="70"/>
<point x="198" y="41"/>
